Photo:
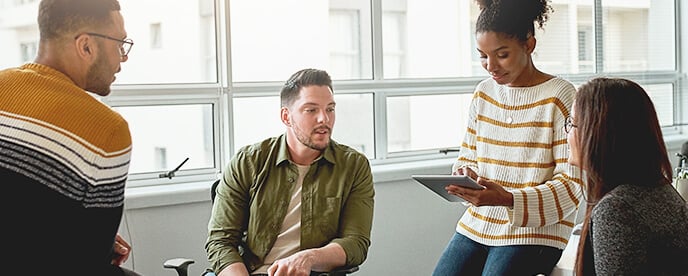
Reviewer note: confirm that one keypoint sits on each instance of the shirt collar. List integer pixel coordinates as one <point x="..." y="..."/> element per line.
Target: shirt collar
<point x="283" y="153"/>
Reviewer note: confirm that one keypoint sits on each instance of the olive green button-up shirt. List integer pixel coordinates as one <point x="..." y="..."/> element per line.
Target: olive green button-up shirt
<point x="251" y="203"/>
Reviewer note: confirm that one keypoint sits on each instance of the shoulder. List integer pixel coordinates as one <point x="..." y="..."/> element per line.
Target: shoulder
<point x="344" y="153"/>
<point x="258" y="150"/>
<point x="629" y="202"/>
<point x="561" y="88"/>
<point x="487" y="85"/>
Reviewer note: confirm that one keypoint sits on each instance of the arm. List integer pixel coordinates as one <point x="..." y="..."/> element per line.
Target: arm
<point x="467" y="164"/>
<point x="556" y="199"/>
<point x="229" y="218"/>
<point x="618" y="239"/>
<point x="356" y="219"/>
<point x="235" y="269"/>
<point x="467" y="154"/>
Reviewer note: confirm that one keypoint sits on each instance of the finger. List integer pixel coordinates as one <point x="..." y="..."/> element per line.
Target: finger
<point x="121" y="249"/>
<point x="122" y="241"/>
<point x="272" y="269"/>
<point x="472" y="174"/>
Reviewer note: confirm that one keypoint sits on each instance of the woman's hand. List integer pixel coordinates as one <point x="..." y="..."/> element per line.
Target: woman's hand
<point x="493" y="194"/>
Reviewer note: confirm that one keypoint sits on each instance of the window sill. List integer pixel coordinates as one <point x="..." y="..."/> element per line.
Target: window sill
<point x="199" y="191"/>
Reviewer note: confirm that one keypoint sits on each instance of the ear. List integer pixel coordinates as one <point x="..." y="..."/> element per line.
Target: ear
<point x="284" y="116"/>
<point x="85" y="47"/>
<point x="530" y="44"/>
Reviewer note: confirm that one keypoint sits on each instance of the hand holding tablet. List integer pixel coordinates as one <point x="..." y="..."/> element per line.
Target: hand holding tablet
<point x="436" y="183"/>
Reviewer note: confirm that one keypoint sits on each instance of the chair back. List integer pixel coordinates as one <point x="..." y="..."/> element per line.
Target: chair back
<point x="213" y="189"/>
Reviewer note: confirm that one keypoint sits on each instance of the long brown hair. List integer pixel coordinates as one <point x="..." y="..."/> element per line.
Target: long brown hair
<point x="617" y="132"/>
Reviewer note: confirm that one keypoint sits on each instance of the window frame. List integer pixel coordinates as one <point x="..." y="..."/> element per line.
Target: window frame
<point x="222" y="93"/>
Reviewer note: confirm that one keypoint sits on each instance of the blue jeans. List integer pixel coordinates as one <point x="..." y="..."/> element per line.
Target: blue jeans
<point x="464" y="256"/>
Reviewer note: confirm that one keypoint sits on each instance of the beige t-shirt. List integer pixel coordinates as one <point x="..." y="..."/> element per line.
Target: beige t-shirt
<point x="289" y="239"/>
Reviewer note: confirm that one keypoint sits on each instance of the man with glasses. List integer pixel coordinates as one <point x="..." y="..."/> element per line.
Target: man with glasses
<point x="64" y="155"/>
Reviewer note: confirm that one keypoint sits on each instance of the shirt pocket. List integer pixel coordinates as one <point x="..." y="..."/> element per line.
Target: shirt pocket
<point x="327" y="215"/>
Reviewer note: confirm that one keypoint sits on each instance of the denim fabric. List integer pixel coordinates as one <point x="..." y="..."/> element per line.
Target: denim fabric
<point x="466" y="257"/>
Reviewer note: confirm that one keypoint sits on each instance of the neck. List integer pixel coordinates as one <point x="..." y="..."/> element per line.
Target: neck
<point x="300" y="153"/>
<point x="67" y="64"/>
<point x="531" y="77"/>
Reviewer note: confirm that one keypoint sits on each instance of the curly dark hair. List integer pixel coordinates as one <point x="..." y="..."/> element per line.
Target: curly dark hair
<point x="515" y="18"/>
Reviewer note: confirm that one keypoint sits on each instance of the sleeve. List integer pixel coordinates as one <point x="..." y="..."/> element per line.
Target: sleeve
<point x="229" y="217"/>
<point x="618" y="239"/>
<point x="556" y="200"/>
<point x="357" y="216"/>
<point x="467" y="153"/>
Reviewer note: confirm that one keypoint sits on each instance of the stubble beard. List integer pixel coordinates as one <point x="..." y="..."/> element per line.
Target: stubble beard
<point x="308" y="142"/>
<point x="97" y="83"/>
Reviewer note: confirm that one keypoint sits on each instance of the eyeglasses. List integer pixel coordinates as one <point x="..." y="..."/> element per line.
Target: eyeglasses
<point x="124" y="44"/>
<point x="568" y="124"/>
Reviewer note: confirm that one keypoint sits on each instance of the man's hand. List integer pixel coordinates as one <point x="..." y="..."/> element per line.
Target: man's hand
<point x="122" y="250"/>
<point x="303" y="262"/>
<point x="298" y="264"/>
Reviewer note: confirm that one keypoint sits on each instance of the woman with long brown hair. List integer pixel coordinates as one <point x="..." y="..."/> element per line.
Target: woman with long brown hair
<point x="635" y="222"/>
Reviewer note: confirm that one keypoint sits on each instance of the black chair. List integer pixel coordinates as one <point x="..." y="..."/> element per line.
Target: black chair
<point x="181" y="265"/>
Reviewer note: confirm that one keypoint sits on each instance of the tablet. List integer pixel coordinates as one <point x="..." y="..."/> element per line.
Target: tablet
<point x="437" y="182"/>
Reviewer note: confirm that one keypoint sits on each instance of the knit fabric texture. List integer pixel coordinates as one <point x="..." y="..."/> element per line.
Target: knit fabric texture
<point x="516" y="138"/>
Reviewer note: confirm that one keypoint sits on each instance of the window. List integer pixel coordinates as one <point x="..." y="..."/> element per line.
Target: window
<point x="426" y="122"/>
<point x="28" y="51"/>
<point x="183" y="60"/>
<point x="586" y="49"/>
<point x="204" y="76"/>
<point x="165" y="135"/>
<point x="155" y="36"/>
<point x="639" y="35"/>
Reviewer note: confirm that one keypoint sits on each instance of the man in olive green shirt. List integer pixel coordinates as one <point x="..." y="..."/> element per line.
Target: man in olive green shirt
<point x="295" y="203"/>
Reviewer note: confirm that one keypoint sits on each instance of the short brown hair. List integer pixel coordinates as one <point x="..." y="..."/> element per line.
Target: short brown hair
<point x="61" y="17"/>
<point x="304" y="77"/>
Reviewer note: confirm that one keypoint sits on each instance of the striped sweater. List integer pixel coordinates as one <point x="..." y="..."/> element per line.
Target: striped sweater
<point x="64" y="159"/>
<point x="516" y="138"/>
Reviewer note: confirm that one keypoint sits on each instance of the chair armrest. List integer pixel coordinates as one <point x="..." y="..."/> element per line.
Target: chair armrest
<point x="181" y="265"/>
<point x="346" y="270"/>
<point x="340" y="271"/>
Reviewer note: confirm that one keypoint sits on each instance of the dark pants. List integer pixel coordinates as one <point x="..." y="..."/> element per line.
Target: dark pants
<point x="464" y="256"/>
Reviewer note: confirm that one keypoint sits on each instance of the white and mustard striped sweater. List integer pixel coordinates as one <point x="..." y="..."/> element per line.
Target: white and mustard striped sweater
<point x="64" y="160"/>
<point x="516" y="138"/>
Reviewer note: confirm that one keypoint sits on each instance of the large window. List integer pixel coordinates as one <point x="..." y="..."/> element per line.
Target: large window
<point x="204" y="76"/>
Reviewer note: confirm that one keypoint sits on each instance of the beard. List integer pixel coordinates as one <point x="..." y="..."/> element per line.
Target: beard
<point x="306" y="140"/>
<point x="97" y="81"/>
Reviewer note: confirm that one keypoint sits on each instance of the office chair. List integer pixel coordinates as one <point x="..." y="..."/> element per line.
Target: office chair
<point x="181" y="265"/>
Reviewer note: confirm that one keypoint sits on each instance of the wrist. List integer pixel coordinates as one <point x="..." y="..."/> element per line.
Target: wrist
<point x="509" y="200"/>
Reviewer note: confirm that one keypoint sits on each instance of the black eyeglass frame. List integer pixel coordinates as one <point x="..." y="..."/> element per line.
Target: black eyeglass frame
<point x="125" y="44"/>
<point x="568" y="124"/>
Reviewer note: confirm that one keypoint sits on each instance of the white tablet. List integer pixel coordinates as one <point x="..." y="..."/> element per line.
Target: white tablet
<point x="437" y="182"/>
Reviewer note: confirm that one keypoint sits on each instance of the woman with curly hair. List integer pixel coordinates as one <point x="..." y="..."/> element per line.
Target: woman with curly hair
<point x="515" y="146"/>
